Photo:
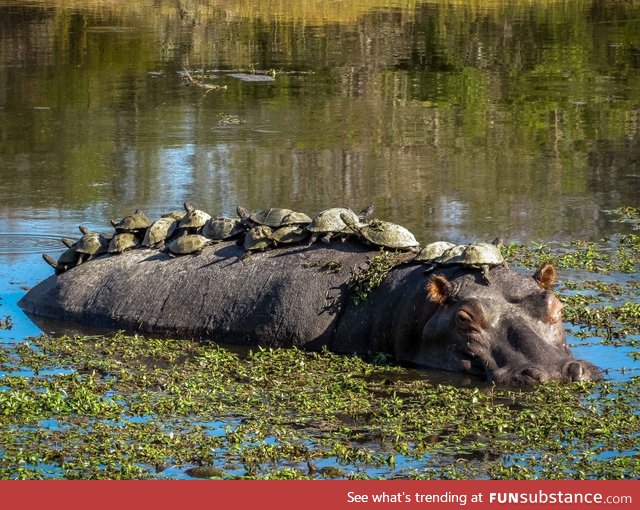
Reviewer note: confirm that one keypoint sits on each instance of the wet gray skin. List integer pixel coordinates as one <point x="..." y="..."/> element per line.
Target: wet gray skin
<point x="509" y="332"/>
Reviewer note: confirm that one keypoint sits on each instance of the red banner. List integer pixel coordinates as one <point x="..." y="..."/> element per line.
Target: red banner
<point x="319" y="494"/>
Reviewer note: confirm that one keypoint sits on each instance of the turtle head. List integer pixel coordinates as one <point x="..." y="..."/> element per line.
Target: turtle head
<point x="366" y="213"/>
<point x="348" y="221"/>
<point x="187" y="207"/>
<point x="499" y="242"/>
<point x="242" y="212"/>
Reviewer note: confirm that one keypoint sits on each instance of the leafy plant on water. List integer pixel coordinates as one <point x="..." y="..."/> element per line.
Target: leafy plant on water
<point x="138" y="414"/>
<point x="6" y="323"/>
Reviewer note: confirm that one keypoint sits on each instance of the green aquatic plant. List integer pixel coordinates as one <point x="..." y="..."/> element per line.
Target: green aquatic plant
<point x="585" y="255"/>
<point x="129" y="407"/>
<point x="6" y="323"/>
<point x="365" y="280"/>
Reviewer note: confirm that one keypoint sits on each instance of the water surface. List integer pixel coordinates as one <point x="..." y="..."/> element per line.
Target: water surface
<point x="460" y="120"/>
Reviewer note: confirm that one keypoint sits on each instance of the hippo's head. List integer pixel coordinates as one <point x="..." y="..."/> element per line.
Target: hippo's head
<point x="507" y="328"/>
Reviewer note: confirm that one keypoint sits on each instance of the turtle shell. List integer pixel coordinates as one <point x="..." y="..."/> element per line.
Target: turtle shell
<point x="185" y="245"/>
<point x="219" y="229"/>
<point x="194" y="219"/>
<point x="474" y="255"/>
<point x="258" y="238"/>
<point x="91" y="244"/>
<point x="159" y="230"/>
<point x="433" y="250"/>
<point x="277" y="217"/>
<point x="176" y="215"/>
<point x="331" y="221"/>
<point x="289" y="234"/>
<point x="123" y="241"/>
<point x="68" y="256"/>
<point x="388" y="235"/>
<point x="135" y="222"/>
<point x="67" y="260"/>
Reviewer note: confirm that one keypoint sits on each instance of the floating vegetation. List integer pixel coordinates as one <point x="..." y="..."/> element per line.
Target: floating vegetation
<point x="198" y="80"/>
<point x="134" y="407"/>
<point x="6" y="323"/>
<point x="621" y="254"/>
<point x="228" y="119"/>
<point x="627" y="214"/>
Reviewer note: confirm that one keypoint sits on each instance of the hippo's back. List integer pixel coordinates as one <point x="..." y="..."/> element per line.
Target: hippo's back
<point x="281" y="297"/>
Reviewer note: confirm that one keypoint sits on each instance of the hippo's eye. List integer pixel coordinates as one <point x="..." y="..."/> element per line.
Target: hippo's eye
<point x="464" y="318"/>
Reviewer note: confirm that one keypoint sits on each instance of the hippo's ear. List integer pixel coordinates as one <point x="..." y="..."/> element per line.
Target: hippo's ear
<point x="546" y="276"/>
<point x="439" y="289"/>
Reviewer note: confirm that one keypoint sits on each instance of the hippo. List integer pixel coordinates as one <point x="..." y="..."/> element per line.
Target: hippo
<point x="506" y="327"/>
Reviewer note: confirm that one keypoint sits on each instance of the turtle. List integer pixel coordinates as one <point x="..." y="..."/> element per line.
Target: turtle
<point x="289" y="234"/>
<point x="91" y="244"/>
<point x="433" y="251"/>
<point x="383" y="233"/>
<point x="159" y="231"/>
<point x="67" y="260"/>
<point x="136" y="222"/>
<point x="258" y="238"/>
<point x="123" y="241"/>
<point x="482" y="256"/>
<point x="330" y="222"/>
<point x="176" y="215"/>
<point x="220" y="229"/>
<point x="68" y="242"/>
<point x="194" y="219"/>
<point x="274" y="217"/>
<point x="366" y="213"/>
<point x="188" y="244"/>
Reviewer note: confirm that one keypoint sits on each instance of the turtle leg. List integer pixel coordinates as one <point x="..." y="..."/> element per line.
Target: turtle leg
<point x="49" y="260"/>
<point x="314" y="238"/>
<point x="429" y="266"/>
<point x="245" y="255"/>
<point x="485" y="274"/>
<point x="326" y="239"/>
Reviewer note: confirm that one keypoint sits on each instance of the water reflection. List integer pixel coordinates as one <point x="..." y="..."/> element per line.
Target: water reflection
<point x="460" y="122"/>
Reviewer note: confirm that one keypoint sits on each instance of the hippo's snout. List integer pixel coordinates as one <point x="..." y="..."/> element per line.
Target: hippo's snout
<point x="578" y="370"/>
<point x="572" y="371"/>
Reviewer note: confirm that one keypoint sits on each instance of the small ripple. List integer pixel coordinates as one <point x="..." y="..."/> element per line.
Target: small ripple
<point x="20" y="244"/>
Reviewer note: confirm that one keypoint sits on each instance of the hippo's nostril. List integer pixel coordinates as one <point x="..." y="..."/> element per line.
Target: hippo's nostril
<point x="534" y="374"/>
<point x="576" y="371"/>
